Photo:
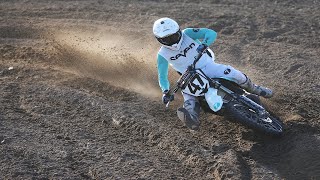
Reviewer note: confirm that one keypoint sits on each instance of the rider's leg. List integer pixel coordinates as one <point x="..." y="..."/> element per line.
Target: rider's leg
<point x="215" y="70"/>
<point x="189" y="113"/>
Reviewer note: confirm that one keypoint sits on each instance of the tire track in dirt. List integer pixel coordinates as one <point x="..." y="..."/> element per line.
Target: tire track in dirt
<point x="187" y="155"/>
<point x="69" y="122"/>
<point x="209" y="159"/>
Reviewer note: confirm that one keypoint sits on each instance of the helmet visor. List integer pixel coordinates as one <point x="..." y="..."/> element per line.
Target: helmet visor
<point x="171" y="39"/>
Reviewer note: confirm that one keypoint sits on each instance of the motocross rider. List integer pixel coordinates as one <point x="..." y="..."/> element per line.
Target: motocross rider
<point x="179" y="49"/>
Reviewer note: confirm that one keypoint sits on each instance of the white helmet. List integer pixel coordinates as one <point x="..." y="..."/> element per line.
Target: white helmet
<point x="168" y="33"/>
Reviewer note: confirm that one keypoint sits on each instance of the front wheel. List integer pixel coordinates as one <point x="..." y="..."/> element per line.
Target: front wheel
<point x="247" y="116"/>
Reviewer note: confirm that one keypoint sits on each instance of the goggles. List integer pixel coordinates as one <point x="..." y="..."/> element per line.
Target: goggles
<point x="171" y="39"/>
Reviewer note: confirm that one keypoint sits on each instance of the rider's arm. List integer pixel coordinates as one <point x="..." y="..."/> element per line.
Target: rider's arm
<point x="163" y="68"/>
<point x="208" y="36"/>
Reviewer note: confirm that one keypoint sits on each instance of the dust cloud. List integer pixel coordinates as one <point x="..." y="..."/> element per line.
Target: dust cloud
<point x="124" y="60"/>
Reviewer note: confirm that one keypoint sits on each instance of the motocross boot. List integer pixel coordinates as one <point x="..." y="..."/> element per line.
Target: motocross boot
<point x="255" y="89"/>
<point x="189" y="114"/>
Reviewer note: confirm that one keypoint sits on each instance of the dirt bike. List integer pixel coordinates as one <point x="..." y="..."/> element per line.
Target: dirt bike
<point x="230" y="100"/>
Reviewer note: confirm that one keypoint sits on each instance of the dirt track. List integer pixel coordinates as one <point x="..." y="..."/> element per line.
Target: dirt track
<point x="79" y="97"/>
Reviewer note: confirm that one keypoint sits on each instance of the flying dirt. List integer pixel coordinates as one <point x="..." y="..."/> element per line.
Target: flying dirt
<point x="79" y="93"/>
<point x="112" y="57"/>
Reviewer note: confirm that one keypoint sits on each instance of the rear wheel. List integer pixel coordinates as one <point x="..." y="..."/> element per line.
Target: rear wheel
<point x="247" y="116"/>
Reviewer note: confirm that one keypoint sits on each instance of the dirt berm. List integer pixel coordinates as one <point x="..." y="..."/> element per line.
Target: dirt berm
<point x="79" y="97"/>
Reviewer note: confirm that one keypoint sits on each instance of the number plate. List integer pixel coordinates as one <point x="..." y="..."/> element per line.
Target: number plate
<point x="198" y="85"/>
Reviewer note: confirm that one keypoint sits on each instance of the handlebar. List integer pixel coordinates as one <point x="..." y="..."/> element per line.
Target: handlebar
<point x="197" y="58"/>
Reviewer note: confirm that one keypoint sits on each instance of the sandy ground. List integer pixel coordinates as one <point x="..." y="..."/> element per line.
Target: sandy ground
<point x="79" y="97"/>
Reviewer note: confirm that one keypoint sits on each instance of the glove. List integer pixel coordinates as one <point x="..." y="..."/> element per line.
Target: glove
<point x="201" y="48"/>
<point x="166" y="97"/>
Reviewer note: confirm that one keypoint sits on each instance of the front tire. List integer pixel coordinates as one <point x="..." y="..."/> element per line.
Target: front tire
<point x="248" y="117"/>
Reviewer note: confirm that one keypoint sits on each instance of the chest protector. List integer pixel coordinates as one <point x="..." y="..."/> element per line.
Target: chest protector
<point x="182" y="58"/>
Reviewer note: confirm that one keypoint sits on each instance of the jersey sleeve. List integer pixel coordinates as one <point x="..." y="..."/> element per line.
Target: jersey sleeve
<point x="163" y="68"/>
<point x="208" y="36"/>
